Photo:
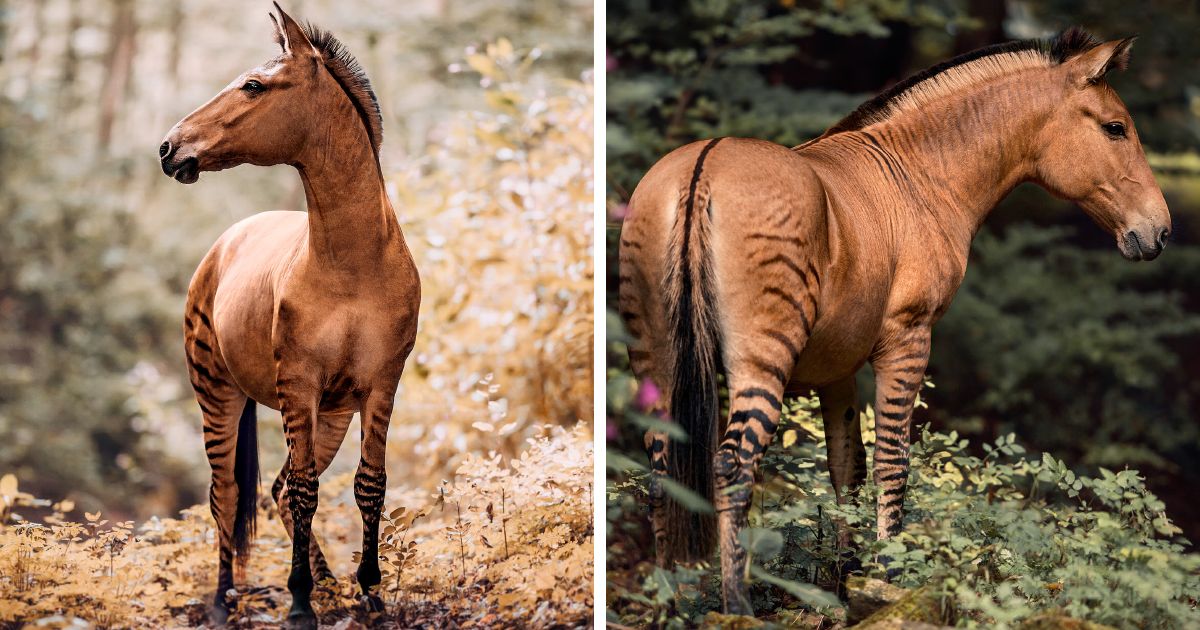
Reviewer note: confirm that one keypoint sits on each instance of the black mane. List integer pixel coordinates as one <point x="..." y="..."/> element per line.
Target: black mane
<point x="353" y="79"/>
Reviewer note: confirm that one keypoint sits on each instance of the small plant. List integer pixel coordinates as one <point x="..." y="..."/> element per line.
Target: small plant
<point x="996" y="535"/>
<point x="394" y="547"/>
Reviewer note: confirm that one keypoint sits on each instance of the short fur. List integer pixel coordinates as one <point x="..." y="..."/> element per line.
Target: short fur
<point x="966" y="69"/>
<point x="788" y="270"/>
<point x="311" y="313"/>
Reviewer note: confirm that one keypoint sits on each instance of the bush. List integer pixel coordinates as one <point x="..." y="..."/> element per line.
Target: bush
<point x="999" y="537"/>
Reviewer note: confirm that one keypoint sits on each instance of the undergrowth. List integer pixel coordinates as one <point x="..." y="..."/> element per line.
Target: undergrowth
<point x="503" y="543"/>
<point x="997" y="534"/>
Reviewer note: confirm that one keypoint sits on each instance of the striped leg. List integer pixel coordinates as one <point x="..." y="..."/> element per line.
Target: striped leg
<point x="899" y="370"/>
<point x="299" y="414"/>
<point x="221" y="404"/>
<point x="370" y="484"/>
<point x="843" y="437"/>
<point x="222" y="408"/>
<point x="847" y="457"/>
<point x="657" y="450"/>
<point x="331" y="431"/>
<point x="754" y="415"/>
<point x="644" y="368"/>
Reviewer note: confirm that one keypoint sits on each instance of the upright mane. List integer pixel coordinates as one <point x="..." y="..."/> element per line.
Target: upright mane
<point x="350" y="75"/>
<point x="964" y="71"/>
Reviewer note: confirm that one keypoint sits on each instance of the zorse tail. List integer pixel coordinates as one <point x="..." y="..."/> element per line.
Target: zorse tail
<point x="696" y="344"/>
<point x="245" y="470"/>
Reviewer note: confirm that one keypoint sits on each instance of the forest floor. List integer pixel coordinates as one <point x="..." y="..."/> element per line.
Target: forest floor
<point x="502" y="543"/>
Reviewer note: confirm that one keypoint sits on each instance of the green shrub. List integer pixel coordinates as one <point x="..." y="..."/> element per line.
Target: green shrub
<point x="1000" y="536"/>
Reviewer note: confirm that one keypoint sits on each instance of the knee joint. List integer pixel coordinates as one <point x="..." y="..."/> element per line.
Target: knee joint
<point x="369" y="487"/>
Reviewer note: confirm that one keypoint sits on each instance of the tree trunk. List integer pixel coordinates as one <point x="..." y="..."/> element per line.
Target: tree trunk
<point x="39" y="31"/>
<point x="70" y="64"/>
<point x="3" y="29"/>
<point x="118" y="64"/>
<point x="175" y="26"/>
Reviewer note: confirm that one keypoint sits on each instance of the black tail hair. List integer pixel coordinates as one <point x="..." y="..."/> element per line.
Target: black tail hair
<point x="245" y="470"/>
<point x="695" y="397"/>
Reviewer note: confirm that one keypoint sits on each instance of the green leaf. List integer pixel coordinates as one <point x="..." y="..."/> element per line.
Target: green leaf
<point x="806" y="593"/>
<point x="686" y="497"/>
<point x="763" y="543"/>
<point x="650" y="423"/>
<point x="621" y="463"/>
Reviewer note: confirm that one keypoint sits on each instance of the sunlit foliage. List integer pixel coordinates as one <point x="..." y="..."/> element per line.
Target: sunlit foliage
<point x="503" y="542"/>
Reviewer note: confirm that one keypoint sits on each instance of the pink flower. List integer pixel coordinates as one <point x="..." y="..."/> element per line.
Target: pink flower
<point x="647" y="396"/>
<point x="619" y="212"/>
<point x="610" y="62"/>
<point x="610" y="431"/>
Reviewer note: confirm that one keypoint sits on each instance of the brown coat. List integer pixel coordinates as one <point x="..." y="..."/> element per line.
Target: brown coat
<point x="789" y="269"/>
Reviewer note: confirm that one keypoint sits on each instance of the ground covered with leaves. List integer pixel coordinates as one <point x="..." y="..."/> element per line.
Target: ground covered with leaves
<point x="503" y="543"/>
<point x="994" y="537"/>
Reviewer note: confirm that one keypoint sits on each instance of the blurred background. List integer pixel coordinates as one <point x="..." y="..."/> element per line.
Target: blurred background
<point x="488" y="155"/>
<point x="1053" y="336"/>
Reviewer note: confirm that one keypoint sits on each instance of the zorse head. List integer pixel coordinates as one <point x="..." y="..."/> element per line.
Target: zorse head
<point x="268" y="114"/>
<point x="1092" y="155"/>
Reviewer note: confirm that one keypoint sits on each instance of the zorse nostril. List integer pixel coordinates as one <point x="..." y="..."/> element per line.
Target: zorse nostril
<point x="164" y="149"/>
<point x="1163" y="236"/>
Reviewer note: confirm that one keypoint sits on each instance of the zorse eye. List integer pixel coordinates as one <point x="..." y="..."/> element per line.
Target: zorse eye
<point x="253" y="86"/>
<point x="1114" y="129"/>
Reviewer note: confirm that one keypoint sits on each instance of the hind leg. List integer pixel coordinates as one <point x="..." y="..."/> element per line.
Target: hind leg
<point x="755" y="392"/>
<point x="331" y="430"/>
<point x="647" y="355"/>
<point x="658" y="447"/>
<point x="221" y="404"/>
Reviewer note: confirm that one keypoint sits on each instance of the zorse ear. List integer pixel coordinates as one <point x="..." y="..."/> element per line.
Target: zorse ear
<point x="289" y="35"/>
<point x="1097" y="62"/>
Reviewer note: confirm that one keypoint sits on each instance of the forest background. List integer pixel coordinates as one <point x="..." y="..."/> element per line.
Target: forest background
<point x="487" y="153"/>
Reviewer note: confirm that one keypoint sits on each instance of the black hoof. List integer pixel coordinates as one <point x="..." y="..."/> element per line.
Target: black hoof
<point x="372" y="603"/>
<point x="301" y="620"/>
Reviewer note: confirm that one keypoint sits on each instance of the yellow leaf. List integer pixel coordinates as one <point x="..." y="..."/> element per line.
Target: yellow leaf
<point x="483" y="65"/>
<point x="504" y="48"/>
<point x="505" y="101"/>
<point x="8" y="485"/>
<point x="789" y="438"/>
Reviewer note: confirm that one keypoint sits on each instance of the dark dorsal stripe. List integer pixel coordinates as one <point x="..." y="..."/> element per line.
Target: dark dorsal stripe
<point x="687" y="279"/>
<point x="1058" y="49"/>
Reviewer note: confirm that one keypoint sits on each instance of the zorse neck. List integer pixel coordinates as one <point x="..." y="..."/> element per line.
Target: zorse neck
<point x="967" y="162"/>
<point x="350" y="219"/>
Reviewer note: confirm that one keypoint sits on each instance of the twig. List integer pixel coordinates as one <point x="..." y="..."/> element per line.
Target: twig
<point x="504" y="522"/>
